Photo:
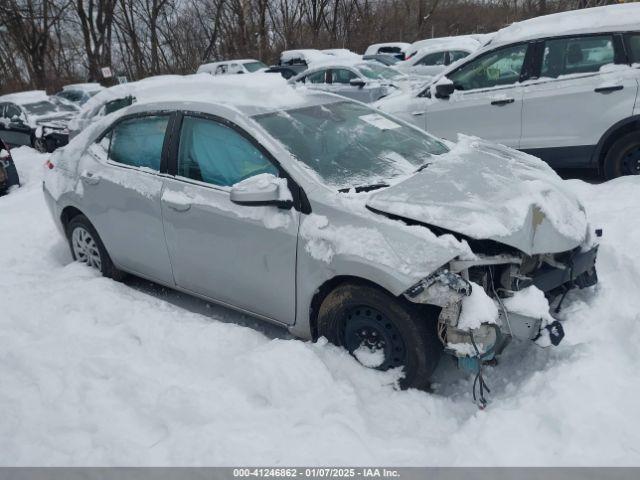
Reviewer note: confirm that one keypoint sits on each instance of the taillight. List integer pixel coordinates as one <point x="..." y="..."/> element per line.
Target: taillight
<point x="48" y="164"/>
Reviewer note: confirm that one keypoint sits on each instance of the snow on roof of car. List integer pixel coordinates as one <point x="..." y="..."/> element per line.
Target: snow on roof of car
<point x="373" y="49"/>
<point x="309" y="55"/>
<point x="214" y="64"/>
<point x="23" y="98"/>
<point x="87" y="87"/>
<point x="461" y="42"/>
<point x="341" y="52"/>
<point x="598" y="19"/>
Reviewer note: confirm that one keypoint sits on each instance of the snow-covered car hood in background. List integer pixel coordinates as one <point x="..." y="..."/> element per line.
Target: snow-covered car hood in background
<point x="487" y="191"/>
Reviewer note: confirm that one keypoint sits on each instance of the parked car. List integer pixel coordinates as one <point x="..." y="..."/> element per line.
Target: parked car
<point x="8" y="173"/>
<point x="431" y="57"/>
<point x="397" y="49"/>
<point x="286" y="71"/>
<point x="303" y="57"/>
<point x="563" y="87"/>
<point x="79" y="93"/>
<point x="231" y="67"/>
<point x="468" y="43"/>
<point x="329" y="218"/>
<point x="35" y="119"/>
<point x="363" y="81"/>
<point x="383" y="58"/>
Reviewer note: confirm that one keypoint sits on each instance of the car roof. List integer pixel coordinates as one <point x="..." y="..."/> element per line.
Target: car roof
<point x="372" y="49"/>
<point x="85" y="87"/>
<point x="24" y="98"/>
<point x="610" y="18"/>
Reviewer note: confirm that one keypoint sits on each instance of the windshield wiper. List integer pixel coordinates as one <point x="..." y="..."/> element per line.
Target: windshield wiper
<point x="364" y="188"/>
<point x="422" y="167"/>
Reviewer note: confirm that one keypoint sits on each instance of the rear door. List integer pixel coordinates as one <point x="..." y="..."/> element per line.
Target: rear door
<point x="243" y="256"/>
<point x="121" y="187"/>
<point x="584" y="88"/>
<point x="487" y="101"/>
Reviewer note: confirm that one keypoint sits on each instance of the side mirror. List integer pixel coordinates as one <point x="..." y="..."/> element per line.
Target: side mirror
<point x="444" y="90"/>
<point x="261" y="190"/>
<point x="357" y="82"/>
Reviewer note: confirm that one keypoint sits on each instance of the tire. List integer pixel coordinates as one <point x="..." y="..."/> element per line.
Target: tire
<point x="354" y="315"/>
<point x="623" y="157"/>
<point x="87" y="247"/>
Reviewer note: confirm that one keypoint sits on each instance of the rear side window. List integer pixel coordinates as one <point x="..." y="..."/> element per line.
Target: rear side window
<point x="214" y="153"/>
<point x="432" y="59"/>
<point x="567" y="56"/>
<point x="138" y="141"/>
<point x="634" y="47"/>
<point x="342" y="76"/>
<point x="317" y="77"/>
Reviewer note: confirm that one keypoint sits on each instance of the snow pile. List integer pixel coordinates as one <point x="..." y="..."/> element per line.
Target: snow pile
<point x="24" y="98"/>
<point x="599" y="19"/>
<point x="95" y="372"/>
<point x="477" y="308"/>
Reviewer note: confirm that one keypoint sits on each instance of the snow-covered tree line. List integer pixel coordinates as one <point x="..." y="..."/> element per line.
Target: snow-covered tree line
<point x="45" y="43"/>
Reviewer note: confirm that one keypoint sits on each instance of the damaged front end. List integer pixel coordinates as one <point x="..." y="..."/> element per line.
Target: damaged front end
<point x="504" y="278"/>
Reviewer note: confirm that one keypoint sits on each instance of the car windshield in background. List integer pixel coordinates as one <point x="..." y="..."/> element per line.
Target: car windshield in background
<point x="254" y="66"/>
<point x="378" y="72"/>
<point x="40" y="108"/>
<point x="350" y="145"/>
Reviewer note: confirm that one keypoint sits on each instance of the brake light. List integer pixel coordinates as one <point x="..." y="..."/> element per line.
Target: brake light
<point x="49" y="165"/>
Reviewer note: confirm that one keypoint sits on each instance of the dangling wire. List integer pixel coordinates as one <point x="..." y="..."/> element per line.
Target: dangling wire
<point x="479" y="380"/>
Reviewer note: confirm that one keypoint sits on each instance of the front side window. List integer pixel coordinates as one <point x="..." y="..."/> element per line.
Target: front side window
<point x="138" y="141"/>
<point x="432" y="59"/>
<point x="348" y="144"/>
<point x="634" y="47"/>
<point x="497" y="68"/>
<point x="342" y="75"/>
<point x="214" y="153"/>
<point x="566" y="56"/>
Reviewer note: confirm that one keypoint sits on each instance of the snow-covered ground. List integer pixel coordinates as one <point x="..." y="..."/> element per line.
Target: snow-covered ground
<point x="94" y="372"/>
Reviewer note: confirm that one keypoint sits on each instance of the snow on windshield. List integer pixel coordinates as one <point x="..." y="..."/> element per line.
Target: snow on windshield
<point x="349" y="145"/>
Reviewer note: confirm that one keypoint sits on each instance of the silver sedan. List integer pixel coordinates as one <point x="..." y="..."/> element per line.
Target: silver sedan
<point x="331" y="219"/>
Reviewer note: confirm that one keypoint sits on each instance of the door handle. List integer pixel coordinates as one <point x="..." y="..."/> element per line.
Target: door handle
<point x="612" y="88"/>
<point x="502" y="101"/>
<point x="417" y="113"/>
<point x="177" y="206"/>
<point x="89" y="178"/>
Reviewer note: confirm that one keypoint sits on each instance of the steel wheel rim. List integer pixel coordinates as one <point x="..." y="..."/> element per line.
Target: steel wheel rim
<point x="367" y="326"/>
<point x="631" y="161"/>
<point x="85" y="248"/>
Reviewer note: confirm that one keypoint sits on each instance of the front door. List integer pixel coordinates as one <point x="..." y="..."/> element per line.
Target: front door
<point x="243" y="256"/>
<point x="487" y="101"/>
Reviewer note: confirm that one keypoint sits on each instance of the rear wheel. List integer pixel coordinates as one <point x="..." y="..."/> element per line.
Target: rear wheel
<point x="381" y="331"/>
<point x="623" y="158"/>
<point x="86" y="247"/>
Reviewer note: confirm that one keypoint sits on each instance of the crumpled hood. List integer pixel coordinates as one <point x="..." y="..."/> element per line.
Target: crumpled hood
<point x="487" y="191"/>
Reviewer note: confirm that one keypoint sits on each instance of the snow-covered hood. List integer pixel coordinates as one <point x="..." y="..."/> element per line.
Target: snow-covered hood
<point x="487" y="191"/>
<point x="54" y="121"/>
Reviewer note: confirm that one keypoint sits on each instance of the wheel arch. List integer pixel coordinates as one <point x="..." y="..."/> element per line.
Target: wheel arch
<point x="69" y="213"/>
<point x="616" y="131"/>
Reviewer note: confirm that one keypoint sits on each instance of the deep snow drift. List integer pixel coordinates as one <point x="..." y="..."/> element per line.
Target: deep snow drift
<point x="94" y="372"/>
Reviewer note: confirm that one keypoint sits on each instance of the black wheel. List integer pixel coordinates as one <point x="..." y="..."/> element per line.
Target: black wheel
<point x="381" y="331"/>
<point x="86" y="247"/>
<point x="623" y="158"/>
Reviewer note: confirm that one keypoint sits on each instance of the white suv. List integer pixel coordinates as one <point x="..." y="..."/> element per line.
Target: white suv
<point x="562" y="87"/>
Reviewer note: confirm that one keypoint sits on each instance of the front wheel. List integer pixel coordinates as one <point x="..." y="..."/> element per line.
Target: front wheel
<point x="623" y="158"/>
<point x="382" y="332"/>
<point x="87" y="247"/>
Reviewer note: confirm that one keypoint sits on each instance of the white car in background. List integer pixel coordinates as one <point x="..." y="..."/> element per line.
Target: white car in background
<point x="397" y="49"/>
<point x="563" y="87"/>
<point x="358" y="80"/>
<point x="431" y="57"/>
<point x="79" y="93"/>
<point x="305" y="57"/>
<point x="232" y="67"/>
<point x="341" y="53"/>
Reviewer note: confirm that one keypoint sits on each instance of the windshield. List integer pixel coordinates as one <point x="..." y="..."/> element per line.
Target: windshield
<point x="40" y="108"/>
<point x="349" y="144"/>
<point x="375" y="71"/>
<point x="253" y="66"/>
